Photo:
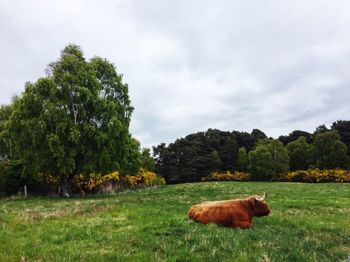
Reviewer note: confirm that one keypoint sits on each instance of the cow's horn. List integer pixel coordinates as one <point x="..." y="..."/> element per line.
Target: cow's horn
<point x="262" y="198"/>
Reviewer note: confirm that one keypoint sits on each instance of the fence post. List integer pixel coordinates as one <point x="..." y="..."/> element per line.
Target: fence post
<point x="25" y="192"/>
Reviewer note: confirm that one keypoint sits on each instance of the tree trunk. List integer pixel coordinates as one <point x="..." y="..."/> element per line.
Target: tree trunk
<point x="65" y="187"/>
<point x="25" y="192"/>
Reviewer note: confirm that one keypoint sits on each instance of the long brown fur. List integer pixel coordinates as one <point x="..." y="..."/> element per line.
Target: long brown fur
<point x="230" y="213"/>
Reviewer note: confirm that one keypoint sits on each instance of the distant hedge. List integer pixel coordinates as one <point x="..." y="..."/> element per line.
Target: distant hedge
<point x="306" y="176"/>
<point x="227" y="176"/>
<point x="316" y="176"/>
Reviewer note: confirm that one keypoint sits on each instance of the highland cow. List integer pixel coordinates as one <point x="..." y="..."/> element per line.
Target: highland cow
<point x="230" y="213"/>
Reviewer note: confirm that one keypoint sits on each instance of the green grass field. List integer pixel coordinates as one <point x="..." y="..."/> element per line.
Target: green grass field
<point x="308" y="222"/>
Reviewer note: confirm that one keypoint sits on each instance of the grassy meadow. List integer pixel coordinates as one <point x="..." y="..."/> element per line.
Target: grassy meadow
<point x="309" y="222"/>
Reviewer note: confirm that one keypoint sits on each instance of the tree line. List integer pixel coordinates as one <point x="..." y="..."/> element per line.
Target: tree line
<point x="197" y="155"/>
<point x="75" y="120"/>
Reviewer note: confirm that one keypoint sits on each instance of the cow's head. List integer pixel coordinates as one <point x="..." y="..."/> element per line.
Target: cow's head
<point x="260" y="207"/>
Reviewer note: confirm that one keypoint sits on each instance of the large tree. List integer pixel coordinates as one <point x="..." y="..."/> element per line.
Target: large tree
<point x="299" y="152"/>
<point x="343" y="128"/>
<point x="261" y="163"/>
<point x="197" y="155"/>
<point x="147" y="161"/>
<point x="294" y="136"/>
<point x="269" y="158"/>
<point x="74" y="120"/>
<point x="279" y="155"/>
<point x="245" y="140"/>
<point x="329" y="151"/>
<point x="320" y="129"/>
<point x="5" y="142"/>
<point x="258" y="134"/>
<point x="242" y="159"/>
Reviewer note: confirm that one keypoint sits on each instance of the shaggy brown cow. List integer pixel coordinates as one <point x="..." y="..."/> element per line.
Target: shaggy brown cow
<point x="230" y="213"/>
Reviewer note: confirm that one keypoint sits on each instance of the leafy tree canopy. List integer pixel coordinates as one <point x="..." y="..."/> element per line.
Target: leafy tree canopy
<point x="261" y="164"/>
<point x="299" y="152"/>
<point x="329" y="151"/>
<point x="343" y="128"/>
<point x="320" y="129"/>
<point x="147" y="161"/>
<point x="268" y="159"/>
<point x="294" y="136"/>
<point x="242" y="159"/>
<point x="74" y="120"/>
<point x="258" y="134"/>
<point x="195" y="156"/>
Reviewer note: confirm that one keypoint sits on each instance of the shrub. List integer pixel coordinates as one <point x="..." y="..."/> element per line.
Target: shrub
<point x="113" y="182"/>
<point x="144" y="179"/>
<point x="44" y="184"/>
<point x="95" y="183"/>
<point x="227" y="176"/>
<point x="4" y="169"/>
<point x="317" y="176"/>
<point x="132" y="181"/>
<point x="13" y="177"/>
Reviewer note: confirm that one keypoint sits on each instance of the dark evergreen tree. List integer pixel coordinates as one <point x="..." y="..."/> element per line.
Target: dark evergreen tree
<point x="245" y="140"/>
<point x="197" y="155"/>
<point x="294" y="136"/>
<point x="343" y="128"/>
<point x="258" y="134"/>
<point x="329" y="151"/>
<point x="190" y="158"/>
<point x="215" y="161"/>
<point x="320" y="129"/>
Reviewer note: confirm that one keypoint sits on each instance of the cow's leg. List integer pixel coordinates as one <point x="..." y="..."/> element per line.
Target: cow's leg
<point x="242" y="220"/>
<point x="244" y="225"/>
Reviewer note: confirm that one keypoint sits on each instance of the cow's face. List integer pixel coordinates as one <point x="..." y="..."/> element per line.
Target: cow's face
<point x="260" y="208"/>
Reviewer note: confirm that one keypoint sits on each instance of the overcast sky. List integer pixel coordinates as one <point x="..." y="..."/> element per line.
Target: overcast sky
<point x="193" y="65"/>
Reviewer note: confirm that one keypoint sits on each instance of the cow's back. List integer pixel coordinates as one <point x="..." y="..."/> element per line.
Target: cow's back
<point x="218" y="212"/>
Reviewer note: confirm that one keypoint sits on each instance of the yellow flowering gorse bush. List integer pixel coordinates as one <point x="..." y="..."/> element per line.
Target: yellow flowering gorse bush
<point x="92" y="183"/>
<point x="144" y="178"/>
<point x="132" y="181"/>
<point x="227" y="176"/>
<point x="112" y="182"/>
<point x="317" y="176"/>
